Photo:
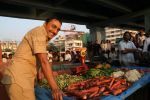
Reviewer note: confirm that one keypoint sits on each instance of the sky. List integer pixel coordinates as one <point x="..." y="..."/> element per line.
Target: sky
<point x="16" y="28"/>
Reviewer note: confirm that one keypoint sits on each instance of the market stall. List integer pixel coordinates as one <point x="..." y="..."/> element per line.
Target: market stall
<point x="43" y="93"/>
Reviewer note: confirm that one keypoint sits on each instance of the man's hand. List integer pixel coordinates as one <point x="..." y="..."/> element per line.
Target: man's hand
<point x="57" y="94"/>
<point x="47" y="71"/>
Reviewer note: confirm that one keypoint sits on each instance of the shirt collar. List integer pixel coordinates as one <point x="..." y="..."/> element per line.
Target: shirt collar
<point x="45" y="33"/>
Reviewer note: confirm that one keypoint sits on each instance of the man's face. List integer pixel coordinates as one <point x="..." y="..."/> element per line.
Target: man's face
<point x="127" y="36"/>
<point x="52" y="28"/>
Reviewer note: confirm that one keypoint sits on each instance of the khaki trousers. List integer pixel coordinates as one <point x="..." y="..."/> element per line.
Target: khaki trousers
<point x="16" y="92"/>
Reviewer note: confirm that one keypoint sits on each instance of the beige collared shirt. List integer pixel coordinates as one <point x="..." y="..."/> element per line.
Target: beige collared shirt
<point x="22" y="70"/>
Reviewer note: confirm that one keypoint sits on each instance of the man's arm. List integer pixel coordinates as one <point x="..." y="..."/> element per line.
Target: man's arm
<point x="47" y="70"/>
<point x="129" y="50"/>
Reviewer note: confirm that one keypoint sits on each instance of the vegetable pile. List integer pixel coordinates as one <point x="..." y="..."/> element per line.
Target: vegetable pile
<point x="62" y="80"/>
<point x="99" y="81"/>
<point x="65" y="80"/>
<point x="133" y="75"/>
<point x="100" y="86"/>
<point x="93" y="72"/>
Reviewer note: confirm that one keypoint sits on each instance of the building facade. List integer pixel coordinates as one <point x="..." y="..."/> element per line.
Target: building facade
<point x="69" y="42"/>
<point x="12" y="45"/>
<point x="113" y="34"/>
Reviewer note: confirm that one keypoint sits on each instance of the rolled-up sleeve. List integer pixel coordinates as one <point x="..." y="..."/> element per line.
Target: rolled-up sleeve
<point x="39" y="43"/>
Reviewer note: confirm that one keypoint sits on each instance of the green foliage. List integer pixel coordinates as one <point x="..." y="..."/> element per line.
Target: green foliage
<point x="65" y="79"/>
<point x="62" y="80"/>
<point x="93" y="72"/>
<point x="13" y="52"/>
<point x="7" y="50"/>
<point x="52" y="47"/>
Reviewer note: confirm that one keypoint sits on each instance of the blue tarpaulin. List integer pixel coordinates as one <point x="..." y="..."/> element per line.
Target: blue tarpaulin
<point x="45" y="94"/>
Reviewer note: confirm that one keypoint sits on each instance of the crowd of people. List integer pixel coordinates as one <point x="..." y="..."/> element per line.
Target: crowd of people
<point x="59" y="57"/>
<point x="106" y="50"/>
<point x="6" y="57"/>
<point x="129" y="51"/>
<point x="134" y="48"/>
<point x="68" y="56"/>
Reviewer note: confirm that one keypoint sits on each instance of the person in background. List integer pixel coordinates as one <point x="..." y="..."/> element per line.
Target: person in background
<point x="10" y="57"/>
<point x="146" y="50"/>
<point x="50" y="56"/>
<point x="4" y="58"/>
<point x="67" y="56"/>
<point x="127" y="49"/>
<point x="140" y="38"/>
<point x="138" y="41"/>
<point x="77" y="57"/>
<point x="56" y="56"/>
<point x="104" y="48"/>
<point x="113" y="58"/>
<point x="113" y="54"/>
<point x="96" y="48"/>
<point x="108" y="50"/>
<point x="31" y="55"/>
<point x="146" y="47"/>
<point x="61" y="58"/>
<point x="73" y="55"/>
<point x="89" y="50"/>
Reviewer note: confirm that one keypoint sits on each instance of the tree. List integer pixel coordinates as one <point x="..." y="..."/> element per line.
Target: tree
<point x="52" y="47"/>
<point x="7" y="50"/>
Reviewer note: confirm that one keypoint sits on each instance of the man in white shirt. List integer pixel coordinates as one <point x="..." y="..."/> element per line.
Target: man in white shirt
<point x="127" y="49"/>
<point x="4" y="58"/>
<point x="50" y="56"/>
<point x="67" y="56"/>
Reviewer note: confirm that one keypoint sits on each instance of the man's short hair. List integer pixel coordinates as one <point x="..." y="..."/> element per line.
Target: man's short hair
<point x="53" y="17"/>
<point x="127" y="32"/>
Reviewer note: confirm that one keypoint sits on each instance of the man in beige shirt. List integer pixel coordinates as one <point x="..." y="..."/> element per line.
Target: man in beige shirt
<point x="0" y="55"/>
<point x="20" y="75"/>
